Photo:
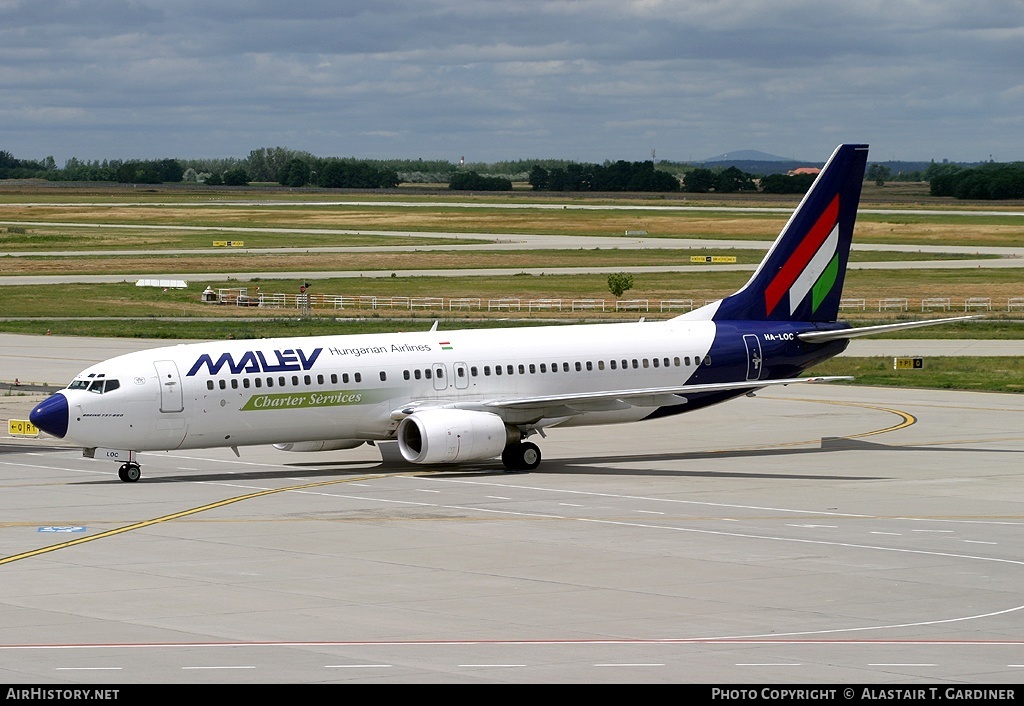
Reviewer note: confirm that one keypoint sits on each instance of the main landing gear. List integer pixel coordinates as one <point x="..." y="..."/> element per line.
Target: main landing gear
<point x="524" y="456"/>
<point x="129" y="472"/>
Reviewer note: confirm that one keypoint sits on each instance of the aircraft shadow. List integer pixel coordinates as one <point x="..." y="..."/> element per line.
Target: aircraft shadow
<point x="595" y="465"/>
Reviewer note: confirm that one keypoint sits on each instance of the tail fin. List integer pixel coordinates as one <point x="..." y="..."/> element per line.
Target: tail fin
<point x="801" y="277"/>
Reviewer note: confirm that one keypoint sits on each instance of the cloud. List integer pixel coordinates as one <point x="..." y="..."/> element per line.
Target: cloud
<point x="577" y="79"/>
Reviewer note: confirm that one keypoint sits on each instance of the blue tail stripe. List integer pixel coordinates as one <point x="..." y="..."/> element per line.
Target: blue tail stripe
<point x="842" y="177"/>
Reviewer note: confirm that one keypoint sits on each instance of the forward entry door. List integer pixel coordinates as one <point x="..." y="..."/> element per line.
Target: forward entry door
<point x="171" y="397"/>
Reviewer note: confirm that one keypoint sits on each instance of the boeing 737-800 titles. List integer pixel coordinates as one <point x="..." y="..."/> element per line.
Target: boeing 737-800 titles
<point x="467" y="396"/>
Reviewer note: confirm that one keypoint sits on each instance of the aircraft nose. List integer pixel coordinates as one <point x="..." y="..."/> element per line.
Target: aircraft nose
<point x="51" y="415"/>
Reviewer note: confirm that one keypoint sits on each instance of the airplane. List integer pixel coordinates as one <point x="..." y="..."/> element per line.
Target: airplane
<point x="473" y="395"/>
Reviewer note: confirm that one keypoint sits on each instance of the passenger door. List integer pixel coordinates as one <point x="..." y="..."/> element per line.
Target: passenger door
<point x="171" y="397"/>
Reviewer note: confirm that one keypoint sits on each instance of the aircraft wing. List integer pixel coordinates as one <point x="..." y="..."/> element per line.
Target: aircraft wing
<point x="569" y="405"/>
<point x="644" y="397"/>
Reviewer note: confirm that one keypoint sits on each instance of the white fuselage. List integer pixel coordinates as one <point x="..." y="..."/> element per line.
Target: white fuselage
<point x="263" y="391"/>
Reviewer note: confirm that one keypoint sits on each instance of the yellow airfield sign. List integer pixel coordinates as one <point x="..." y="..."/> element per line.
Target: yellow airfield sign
<point x="21" y="427"/>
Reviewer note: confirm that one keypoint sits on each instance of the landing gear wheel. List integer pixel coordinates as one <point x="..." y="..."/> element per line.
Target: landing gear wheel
<point x="129" y="472"/>
<point x="521" y="457"/>
<point x="529" y="454"/>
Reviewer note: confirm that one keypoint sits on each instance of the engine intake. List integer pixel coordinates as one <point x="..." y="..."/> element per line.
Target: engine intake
<point x="452" y="436"/>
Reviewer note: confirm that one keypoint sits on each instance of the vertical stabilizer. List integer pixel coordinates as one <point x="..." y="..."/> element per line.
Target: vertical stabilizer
<point x="801" y="277"/>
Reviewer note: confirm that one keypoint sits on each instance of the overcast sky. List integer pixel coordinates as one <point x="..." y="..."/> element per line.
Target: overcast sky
<point x="490" y="80"/>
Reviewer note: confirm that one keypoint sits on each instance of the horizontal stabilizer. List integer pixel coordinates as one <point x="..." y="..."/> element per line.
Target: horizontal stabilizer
<point x="840" y="334"/>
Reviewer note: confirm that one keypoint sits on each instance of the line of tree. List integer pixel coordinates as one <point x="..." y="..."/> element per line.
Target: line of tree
<point x="986" y="180"/>
<point x="336" y="174"/>
<point x="471" y="181"/>
<point x="787" y="183"/>
<point x="12" y="168"/>
<point x="614" y="176"/>
<point x="990" y="181"/>
<point x="727" y="181"/>
<point x="163" y="171"/>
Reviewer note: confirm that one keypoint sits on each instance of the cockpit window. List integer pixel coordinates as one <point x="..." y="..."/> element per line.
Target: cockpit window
<point x="98" y="385"/>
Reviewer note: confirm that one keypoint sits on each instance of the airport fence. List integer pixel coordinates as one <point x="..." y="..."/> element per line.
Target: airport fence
<point x="243" y="296"/>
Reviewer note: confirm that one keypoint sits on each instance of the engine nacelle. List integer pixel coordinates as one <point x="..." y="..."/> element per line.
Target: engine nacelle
<point x="453" y="435"/>
<point x="325" y="445"/>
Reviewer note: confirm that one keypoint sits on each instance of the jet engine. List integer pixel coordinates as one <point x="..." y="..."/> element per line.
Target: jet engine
<point x="453" y="435"/>
<point x="325" y="445"/>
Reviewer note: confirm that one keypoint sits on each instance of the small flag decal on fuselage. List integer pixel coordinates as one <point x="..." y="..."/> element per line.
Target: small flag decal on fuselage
<point x="445" y="345"/>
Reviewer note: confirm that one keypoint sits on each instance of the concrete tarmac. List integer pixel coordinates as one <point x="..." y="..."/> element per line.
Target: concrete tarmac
<point x="814" y="534"/>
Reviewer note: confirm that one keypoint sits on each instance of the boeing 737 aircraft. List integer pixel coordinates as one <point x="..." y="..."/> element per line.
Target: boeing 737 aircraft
<point x="468" y="396"/>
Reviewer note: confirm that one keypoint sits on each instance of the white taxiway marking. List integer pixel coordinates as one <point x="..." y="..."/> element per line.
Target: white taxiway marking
<point x="357" y="666"/>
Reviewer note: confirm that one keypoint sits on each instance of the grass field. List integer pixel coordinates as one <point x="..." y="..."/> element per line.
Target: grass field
<point x="46" y="230"/>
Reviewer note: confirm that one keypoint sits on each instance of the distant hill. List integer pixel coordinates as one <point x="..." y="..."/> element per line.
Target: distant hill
<point x="762" y="163"/>
<point x="748" y="156"/>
